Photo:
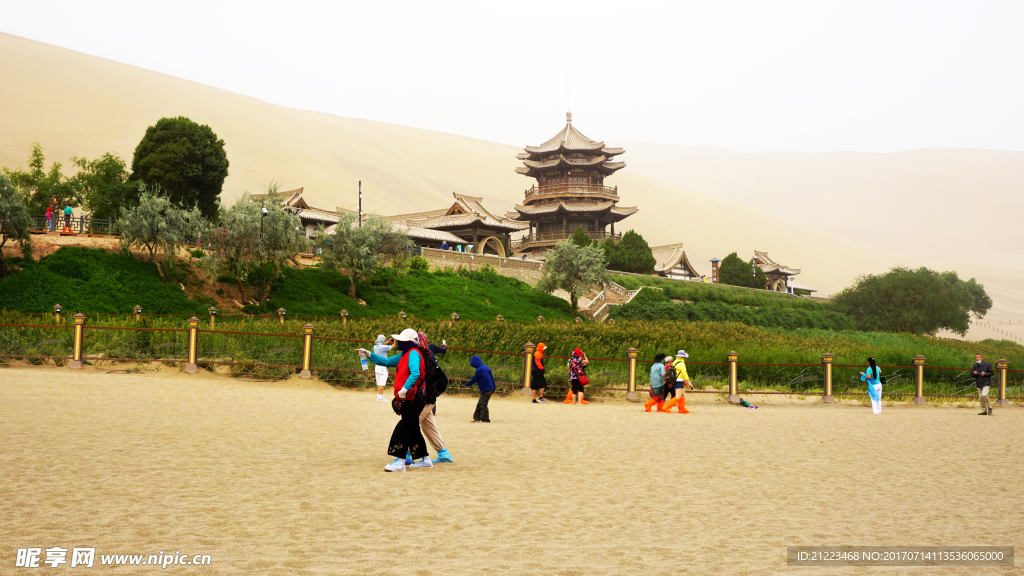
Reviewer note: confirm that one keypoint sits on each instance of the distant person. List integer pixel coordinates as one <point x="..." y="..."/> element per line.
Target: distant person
<point x="578" y="376"/>
<point x="68" y="214"/>
<point x="873" y="377"/>
<point x="444" y="246"/>
<point x="679" y="385"/>
<point x="381" y="348"/>
<point x="982" y="372"/>
<point x="49" y="219"/>
<point x="657" y="383"/>
<point x="537" y="381"/>
<point x="53" y="208"/>
<point x="484" y="379"/>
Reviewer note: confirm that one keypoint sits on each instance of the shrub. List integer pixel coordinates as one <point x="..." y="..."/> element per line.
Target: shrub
<point x="419" y="263"/>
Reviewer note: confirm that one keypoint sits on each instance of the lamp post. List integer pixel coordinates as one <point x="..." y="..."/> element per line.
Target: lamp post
<point x="260" y="299"/>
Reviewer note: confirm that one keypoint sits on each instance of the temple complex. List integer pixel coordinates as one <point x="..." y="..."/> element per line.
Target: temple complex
<point x="569" y="193"/>
<point x="779" y="276"/>
<point x="468" y="221"/>
<point x="670" y="261"/>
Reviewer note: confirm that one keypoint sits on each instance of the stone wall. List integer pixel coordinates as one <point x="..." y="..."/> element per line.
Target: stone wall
<point x="528" y="271"/>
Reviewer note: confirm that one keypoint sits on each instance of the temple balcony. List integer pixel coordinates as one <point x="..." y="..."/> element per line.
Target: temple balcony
<point x="548" y="239"/>
<point x="561" y="191"/>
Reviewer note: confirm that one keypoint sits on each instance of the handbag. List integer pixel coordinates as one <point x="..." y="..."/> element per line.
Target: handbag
<point x="584" y="380"/>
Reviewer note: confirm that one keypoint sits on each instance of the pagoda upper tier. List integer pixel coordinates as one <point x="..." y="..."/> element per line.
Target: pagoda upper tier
<point x="567" y="152"/>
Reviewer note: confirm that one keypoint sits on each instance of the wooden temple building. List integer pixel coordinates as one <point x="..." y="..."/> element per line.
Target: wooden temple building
<point x="569" y="193"/>
<point x="670" y="261"/>
<point x="472" y="225"/>
<point x="779" y="277"/>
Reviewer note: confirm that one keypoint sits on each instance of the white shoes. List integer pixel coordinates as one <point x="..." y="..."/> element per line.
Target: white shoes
<point x="397" y="466"/>
<point x="380" y="398"/>
<point x="424" y="463"/>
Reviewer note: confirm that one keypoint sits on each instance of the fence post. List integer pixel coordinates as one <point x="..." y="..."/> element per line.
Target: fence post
<point x="734" y="395"/>
<point x="280" y="314"/>
<point x="827" y="358"/>
<point x="76" y="344"/>
<point x="193" y="345"/>
<point x="213" y="316"/>
<point x="307" y="351"/>
<point x="344" y="316"/>
<point x="528" y="367"/>
<point x="138" y="312"/>
<point x="631" y="394"/>
<point x="56" y="313"/>
<point x="919" y="380"/>
<point x="1001" y="365"/>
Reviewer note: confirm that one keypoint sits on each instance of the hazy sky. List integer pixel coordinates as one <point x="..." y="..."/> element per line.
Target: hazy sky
<point x="751" y="76"/>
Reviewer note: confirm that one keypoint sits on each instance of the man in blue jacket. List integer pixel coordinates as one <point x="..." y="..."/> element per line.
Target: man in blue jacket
<point x="982" y="372"/>
<point x="485" y="380"/>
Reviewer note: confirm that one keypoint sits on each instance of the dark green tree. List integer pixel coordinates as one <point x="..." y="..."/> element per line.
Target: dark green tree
<point x="631" y="254"/>
<point x="736" y="272"/>
<point x="920" y="301"/>
<point x="105" y="186"/>
<point x="15" y="221"/>
<point x="41" y="185"/>
<point x="581" y="238"/>
<point x="184" y="160"/>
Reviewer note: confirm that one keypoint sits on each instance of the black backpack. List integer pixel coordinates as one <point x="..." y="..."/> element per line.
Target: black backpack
<point x="435" y="378"/>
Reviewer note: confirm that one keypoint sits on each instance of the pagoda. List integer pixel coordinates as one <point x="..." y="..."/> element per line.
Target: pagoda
<point x="570" y="193"/>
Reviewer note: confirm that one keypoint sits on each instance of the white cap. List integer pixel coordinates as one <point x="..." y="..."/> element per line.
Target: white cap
<point x="407" y="335"/>
<point x="668" y="358"/>
<point x="682" y="354"/>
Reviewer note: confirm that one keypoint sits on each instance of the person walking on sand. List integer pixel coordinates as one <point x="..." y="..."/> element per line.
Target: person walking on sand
<point x="484" y="379"/>
<point x="982" y="372"/>
<point x="657" y="383"/>
<point x="578" y="376"/>
<point x="428" y="424"/>
<point x="873" y="377"/>
<point x="678" y="387"/>
<point x="381" y="348"/>
<point x="570" y="396"/>
<point x="537" y="381"/>
<point x="409" y="383"/>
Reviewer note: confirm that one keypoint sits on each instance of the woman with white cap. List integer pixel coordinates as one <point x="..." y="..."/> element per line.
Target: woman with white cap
<point x="381" y="348"/>
<point x="682" y="379"/>
<point x="409" y="382"/>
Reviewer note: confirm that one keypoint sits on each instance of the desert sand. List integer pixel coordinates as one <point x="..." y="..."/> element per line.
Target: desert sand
<point x="287" y="478"/>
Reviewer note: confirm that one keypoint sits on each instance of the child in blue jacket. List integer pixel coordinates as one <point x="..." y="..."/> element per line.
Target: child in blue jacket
<point x="483" y="378"/>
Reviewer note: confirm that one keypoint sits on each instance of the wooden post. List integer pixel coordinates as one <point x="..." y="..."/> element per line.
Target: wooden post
<point x="919" y="380"/>
<point x="307" y="351"/>
<point x="77" y="342"/>
<point x="138" y="312"/>
<point x="56" y="313"/>
<point x="280" y="314"/>
<point x="528" y="367"/>
<point x="1001" y="365"/>
<point x="827" y="359"/>
<point x="193" y="345"/>
<point x="631" y="394"/>
<point x="344" y="316"/>
<point x="213" y="316"/>
<point x="734" y="395"/>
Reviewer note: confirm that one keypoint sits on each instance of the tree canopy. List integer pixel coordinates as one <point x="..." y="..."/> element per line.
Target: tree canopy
<point x="159" y="226"/>
<point x="920" y="301"/>
<point x="15" y="221"/>
<point x="736" y="272"/>
<point x="631" y="254"/>
<point x="184" y="159"/>
<point x="42" y="185"/>
<point x="581" y="238"/>
<point x="105" y="186"/>
<point x="360" y="249"/>
<point x="575" y="269"/>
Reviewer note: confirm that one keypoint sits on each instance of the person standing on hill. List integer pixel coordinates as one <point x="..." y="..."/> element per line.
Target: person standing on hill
<point x="982" y="372"/>
<point x="484" y="379"/>
<point x="657" y="383"/>
<point x="537" y="381"/>
<point x="52" y="209"/>
<point x="68" y="214"/>
<point x="381" y="348"/>
<point x="681" y="381"/>
<point x="874" y="379"/>
<point x="49" y="218"/>
<point x="578" y="376"/>
<point x="409" y="382"/>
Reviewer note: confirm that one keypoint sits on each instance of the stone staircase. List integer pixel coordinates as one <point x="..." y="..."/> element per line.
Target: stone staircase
<point x="597" y="304"/>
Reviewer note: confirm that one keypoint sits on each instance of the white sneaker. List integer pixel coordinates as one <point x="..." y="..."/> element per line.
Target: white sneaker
<point x="380" y="398"/>
<point x="424" y="463"/>
<point x="397" y="466"/>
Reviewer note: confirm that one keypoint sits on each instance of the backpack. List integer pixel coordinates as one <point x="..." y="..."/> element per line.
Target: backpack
<point x="433" y="375"/>
<point x="670" y="374"/>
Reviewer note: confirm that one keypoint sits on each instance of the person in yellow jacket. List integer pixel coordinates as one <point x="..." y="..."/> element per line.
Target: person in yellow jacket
<point x="682" y="380"/>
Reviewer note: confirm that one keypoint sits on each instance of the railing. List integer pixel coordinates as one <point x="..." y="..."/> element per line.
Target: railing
<point x="545" y="237"/>
<point x="77" y="224"/>
<point x="553" y="190"/>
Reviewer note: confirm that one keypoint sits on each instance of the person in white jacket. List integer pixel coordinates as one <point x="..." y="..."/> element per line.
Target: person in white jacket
<point x="381" y="348"/>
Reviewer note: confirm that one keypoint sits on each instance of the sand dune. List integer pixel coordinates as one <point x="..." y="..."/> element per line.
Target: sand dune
<point x="80" y="105"/>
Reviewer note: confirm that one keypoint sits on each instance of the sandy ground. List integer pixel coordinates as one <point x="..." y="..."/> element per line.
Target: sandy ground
<point x="287" y="478"/>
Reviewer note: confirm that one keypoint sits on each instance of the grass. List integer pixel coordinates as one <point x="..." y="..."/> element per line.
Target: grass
<point x="698" y="292"/>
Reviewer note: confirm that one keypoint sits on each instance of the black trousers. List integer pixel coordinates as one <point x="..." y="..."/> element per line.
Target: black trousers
<point x="407" y="436"/>
<point x="482" y="413"/>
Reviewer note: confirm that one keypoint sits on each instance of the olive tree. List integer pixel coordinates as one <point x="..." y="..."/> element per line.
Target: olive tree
<point x="575" y="269"/>
<point x="160" y="227"/>
<point x="15" y="221"/>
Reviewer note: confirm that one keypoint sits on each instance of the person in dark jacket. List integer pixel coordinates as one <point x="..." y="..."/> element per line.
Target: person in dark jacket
<point x="982" y="372"/>
<point x="483" y="378"/>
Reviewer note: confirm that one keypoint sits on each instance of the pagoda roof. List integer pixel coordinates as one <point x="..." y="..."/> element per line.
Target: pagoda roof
<point x="769" y="266"/>
<point x="418" y="234"/>
<point x="671" y="256"/>
<point x="569" y="140"/>
<point x="463" y="213"/>
<point x="293" y="202"/>
<point x="618" y="212"/>
<point x="562" y="161"/>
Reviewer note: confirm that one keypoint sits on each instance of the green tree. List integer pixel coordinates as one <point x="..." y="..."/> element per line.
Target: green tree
<point x="15" y="221"/>
<point x="919" y="301"/>
<point x="581" y="238"/>
<point x="105" y="186"/>
<point x="184" y="159"/>
<point x="574" y="269"/>
<point x="631" y="254"/>
<point x="735" y="272"/>
<point x="160" y="227"/>
<point x="360" y="250"/>
<point x="42" y="185"/>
